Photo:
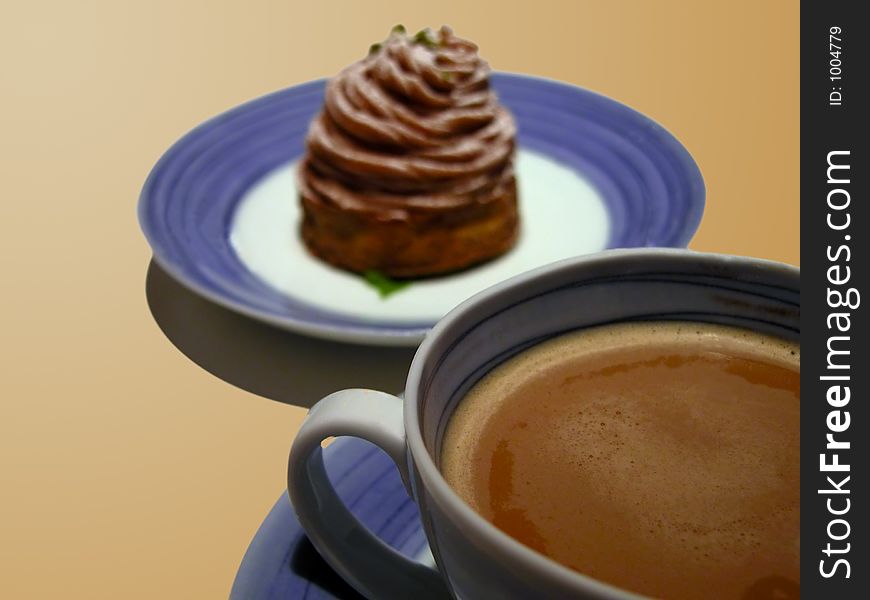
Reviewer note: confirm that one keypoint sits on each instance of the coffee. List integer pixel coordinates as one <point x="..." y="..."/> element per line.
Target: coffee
<point x="662" y="458"/>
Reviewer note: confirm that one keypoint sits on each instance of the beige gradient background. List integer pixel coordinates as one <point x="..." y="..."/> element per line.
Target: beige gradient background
<point x="126" y="471"/>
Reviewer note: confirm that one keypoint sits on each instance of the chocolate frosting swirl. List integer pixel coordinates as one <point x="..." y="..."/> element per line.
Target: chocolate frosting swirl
<point x="412" y="129"/>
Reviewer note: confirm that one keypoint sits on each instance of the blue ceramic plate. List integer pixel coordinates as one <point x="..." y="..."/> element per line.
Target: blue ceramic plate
<point x="281" y="564"/>
<point x="221" y="213"/>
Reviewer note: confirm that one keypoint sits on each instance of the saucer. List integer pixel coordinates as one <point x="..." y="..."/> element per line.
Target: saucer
<point x="222" y="217"/>
<point x="281" y="564"/>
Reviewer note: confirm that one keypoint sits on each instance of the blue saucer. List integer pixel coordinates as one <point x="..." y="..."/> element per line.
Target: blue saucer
<point x="646" y="181"/>
<point x="281" y="564"/>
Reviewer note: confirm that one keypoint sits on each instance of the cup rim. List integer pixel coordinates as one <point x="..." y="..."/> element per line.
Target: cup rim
<point x="437" y="487"/>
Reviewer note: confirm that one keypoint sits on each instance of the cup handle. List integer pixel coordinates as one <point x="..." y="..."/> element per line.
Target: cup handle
<point x="370" y="565"/>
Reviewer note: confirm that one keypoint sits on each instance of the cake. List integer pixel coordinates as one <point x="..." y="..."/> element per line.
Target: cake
<point x="409" y="166"/>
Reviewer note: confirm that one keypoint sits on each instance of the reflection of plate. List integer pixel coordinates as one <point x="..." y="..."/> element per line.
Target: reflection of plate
<point x="281" y="563"/>
<point x="597" y="174"/>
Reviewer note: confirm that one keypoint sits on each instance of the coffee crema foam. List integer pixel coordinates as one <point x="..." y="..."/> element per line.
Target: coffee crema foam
<point x="661" y="457"/>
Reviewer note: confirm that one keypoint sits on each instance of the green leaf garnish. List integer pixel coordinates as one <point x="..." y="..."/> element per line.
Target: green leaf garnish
<point x="374" y="48"/>
<point x="384" y="284"/>
<point x="400" y="29"/>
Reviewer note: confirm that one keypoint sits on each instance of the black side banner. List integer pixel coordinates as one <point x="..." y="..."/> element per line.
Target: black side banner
<point x="835" y="363"/>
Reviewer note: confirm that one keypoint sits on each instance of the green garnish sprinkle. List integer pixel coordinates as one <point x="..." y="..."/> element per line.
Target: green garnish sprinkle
<point x="384" y="285"/>
<point x="398" y="29"/>
<point x="424" y="37"/>
<point x="374" y="48"/>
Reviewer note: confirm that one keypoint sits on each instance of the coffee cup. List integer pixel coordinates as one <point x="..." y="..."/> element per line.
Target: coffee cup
<point x="474" y="558"/>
